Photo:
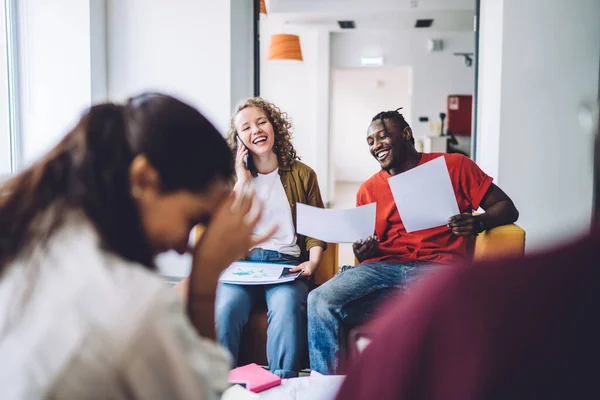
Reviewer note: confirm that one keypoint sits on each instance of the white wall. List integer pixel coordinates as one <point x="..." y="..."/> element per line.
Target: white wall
<point x="55" y="71"/>
<point x="157" y="45"/>
<point x="490" y="86"/>
<point x="98" y="51"/>
<point x="4" y="114"/>
<point x="182" y="48"/>
<point x="544" y="158"/>
<point x="357" y="94"/>
<point x="435" y="74"/>
<point x="301" y="89"/>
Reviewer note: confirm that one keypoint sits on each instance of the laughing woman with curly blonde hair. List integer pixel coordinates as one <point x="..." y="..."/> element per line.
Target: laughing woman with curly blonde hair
<point x="265" y="159"/>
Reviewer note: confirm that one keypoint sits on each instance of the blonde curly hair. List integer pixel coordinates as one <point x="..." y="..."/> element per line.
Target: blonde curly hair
<point x="282" y="128"/>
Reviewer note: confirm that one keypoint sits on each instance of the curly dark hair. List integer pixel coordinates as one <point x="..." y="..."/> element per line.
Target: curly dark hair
<point x="282" y="127"/>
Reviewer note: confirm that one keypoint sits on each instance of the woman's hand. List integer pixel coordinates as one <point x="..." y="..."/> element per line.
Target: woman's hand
<point x="307" y="268"/>
<point x="242" y="173"/>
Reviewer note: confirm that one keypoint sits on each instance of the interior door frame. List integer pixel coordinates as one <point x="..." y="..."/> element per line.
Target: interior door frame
<point x="256" y="26"/>
<point x="476" y="77"/>
<point x="256" y="45"/>
<point x="596" y="181"/>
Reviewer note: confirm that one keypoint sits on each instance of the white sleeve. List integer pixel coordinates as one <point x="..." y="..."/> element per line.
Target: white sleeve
<point x="167" y="359"/>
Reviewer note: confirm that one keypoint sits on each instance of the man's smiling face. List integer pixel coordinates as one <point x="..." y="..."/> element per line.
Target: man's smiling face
<point x="388" y="143"/>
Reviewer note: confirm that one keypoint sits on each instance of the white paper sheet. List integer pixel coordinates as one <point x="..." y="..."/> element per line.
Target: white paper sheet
<point x="236" y="392"/>
<point x="424" y="195"/>
<point x="305" y="388"/>
<point x="256" y="273"/>
<point x="336" y="226"/>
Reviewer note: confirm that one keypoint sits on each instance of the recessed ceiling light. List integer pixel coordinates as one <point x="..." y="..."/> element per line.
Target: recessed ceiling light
<point x="423" y="23"/>
<point x="371" y="61"/>
<point x="346" y="24"/>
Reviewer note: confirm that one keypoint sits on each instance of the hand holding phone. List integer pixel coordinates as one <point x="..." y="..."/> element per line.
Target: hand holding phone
<point x="241" y="162"/>
<point x="242" y="145"/>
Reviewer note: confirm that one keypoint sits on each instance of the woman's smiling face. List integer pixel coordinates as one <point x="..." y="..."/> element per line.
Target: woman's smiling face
<point x="255" y="130"/>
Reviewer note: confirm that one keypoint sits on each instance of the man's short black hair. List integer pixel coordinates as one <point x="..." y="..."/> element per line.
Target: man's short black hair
<point x="396" y="117"/>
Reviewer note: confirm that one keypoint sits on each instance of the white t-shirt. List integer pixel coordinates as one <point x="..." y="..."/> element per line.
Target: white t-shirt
<point x="77" y="322"/>
<point x="276" y="210"/>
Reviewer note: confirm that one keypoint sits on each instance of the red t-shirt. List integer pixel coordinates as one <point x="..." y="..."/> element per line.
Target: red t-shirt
<point x="437" y="245"/>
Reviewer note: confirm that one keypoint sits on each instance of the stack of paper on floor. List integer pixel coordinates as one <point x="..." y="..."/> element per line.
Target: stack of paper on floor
<point x="257" y="273"/>
<point x="236" y="392"/>
<point x="254" y="378"/>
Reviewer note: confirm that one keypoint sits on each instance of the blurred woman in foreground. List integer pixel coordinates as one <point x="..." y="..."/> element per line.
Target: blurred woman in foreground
<point x="82" y="312"/>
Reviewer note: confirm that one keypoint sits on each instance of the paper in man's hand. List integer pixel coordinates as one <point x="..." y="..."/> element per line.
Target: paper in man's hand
<point x="424" y="195"/>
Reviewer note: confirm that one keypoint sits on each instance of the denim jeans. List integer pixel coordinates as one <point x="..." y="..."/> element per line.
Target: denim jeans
<point x="286" y="305"/>
<point x="348" y="300"/>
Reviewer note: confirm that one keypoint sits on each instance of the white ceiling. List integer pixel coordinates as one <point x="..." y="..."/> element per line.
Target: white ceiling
<point x="386" y="15"/>
<point x="293" y="6"/>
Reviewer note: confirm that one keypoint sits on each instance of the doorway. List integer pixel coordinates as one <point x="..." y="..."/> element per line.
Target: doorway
<point x="358" y="94"/>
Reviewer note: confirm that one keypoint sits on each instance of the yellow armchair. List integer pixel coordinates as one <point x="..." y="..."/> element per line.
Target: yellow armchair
<point x="506" y="240"/>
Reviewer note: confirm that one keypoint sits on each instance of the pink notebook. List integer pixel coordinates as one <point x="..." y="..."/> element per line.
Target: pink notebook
<point x="255" y="378"/>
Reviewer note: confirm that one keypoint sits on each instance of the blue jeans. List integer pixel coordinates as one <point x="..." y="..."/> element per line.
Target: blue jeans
<point x="348" y="300"/>
<point x="286" y="305"/>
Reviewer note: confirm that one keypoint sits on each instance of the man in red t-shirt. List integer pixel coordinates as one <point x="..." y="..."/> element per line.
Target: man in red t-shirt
<point x="392" y="258"/>
<point x="525" y="328"/>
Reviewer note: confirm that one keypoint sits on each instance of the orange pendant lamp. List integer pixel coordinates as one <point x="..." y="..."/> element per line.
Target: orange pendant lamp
<point x="284" y="47"/>
<point x="263" y="7"/>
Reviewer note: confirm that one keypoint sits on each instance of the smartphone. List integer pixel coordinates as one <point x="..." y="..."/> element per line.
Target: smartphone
<point x="241" y="143"/>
